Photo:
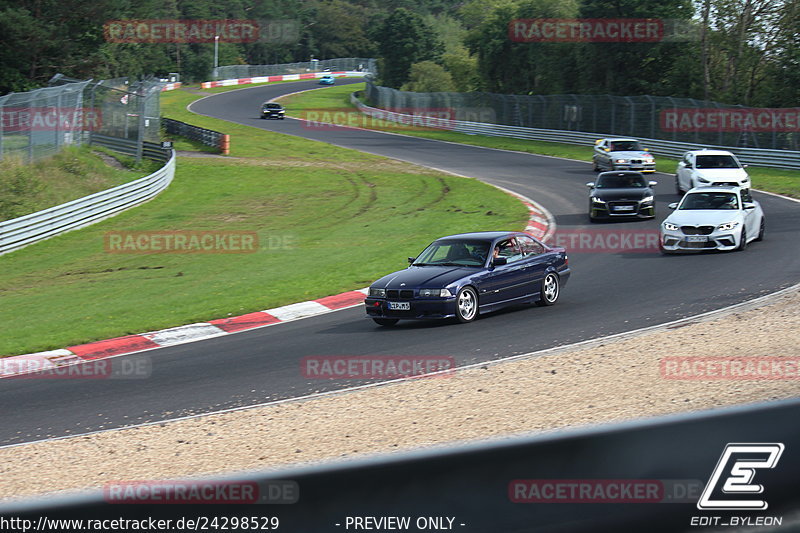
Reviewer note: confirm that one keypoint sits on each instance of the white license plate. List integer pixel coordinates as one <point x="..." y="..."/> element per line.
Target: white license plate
<point x="623" y="208"/>
<point x="696" y="238"/>
<point x="400" y="306"/>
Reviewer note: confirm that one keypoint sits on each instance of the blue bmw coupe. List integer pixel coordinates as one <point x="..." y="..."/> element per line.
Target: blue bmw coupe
<point x="464" y="275"/>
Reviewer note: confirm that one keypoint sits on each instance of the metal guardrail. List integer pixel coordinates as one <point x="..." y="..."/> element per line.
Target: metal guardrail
<point x="35" y="227"/>
<point x="210" y="138"/>
<point x="751" y="156"/>
<point x="150" y="150"/>
<point x="477" y="485"/>
<point x="228" y="72"/>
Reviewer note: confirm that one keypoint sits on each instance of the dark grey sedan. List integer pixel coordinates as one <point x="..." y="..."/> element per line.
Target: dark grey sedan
<point x="621" y="195"/>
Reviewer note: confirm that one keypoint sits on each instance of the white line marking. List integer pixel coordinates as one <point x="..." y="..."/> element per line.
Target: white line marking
<point x="181" y="334"/>
<point x="298" y="310"/>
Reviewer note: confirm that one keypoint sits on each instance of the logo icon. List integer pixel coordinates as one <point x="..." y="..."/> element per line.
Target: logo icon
<point x="739" y="462"/>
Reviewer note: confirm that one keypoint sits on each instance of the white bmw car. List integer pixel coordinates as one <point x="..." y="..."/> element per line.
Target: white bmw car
<point x="698" y="168"/>
<point x="712" y="218"/>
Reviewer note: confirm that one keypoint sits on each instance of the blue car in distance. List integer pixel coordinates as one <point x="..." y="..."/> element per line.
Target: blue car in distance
<point x="327" y="80"/>
<point x="462" y="276"/>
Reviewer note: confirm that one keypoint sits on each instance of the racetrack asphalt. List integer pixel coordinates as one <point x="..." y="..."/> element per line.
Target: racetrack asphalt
<point x="609" y="292"/>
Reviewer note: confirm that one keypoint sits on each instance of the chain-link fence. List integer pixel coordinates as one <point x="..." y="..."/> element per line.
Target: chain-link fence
<point x="39" y="123"/>
<point x="232" y="72"/>
<point x="653" y="117"/>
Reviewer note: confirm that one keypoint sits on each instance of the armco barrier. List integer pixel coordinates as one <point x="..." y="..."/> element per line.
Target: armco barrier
<point x="283" y="77"/>
<point x="210" y="138"/>
<point x="35" y="227"/>
<point x="751" y="156"/>
<point x="473" y="488"/>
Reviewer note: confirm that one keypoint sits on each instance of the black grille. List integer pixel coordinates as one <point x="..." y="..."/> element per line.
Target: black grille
<point x="636" y="161"/>
<point x="407" y="294"/>
<point x="697" y="230"/>
<point x="700" y="245"/>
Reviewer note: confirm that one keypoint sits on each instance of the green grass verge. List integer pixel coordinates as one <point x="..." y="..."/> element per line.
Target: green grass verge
<point x="781" y="181"/>
<point x="327" y="220"/>
<point x="70" y="174"/>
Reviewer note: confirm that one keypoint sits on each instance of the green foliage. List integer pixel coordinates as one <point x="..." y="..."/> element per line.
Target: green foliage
<point x="68" y="175"/>
<point x="748" y="51"/>
<point x="428" y="77"/>
<point x="404" y="39"/>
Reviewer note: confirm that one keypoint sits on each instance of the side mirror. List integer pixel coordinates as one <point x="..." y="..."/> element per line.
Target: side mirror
<point x="598" y="141"/>
<point x="411" y="260"/>
<point x="673" y="205"/>
<point x="749" y="205"/>
<point x="500" y="261"/>
<point x="652" y="183"/>
<point x="590" y="185"/>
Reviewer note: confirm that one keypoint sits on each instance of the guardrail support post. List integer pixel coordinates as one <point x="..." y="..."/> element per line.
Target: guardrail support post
<point x="140" y="133"/>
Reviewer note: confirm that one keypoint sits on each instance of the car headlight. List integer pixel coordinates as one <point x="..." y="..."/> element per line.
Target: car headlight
<point x="596" y="200"/>
<point x="377" y="293"/>
<point x="649" y="160"/>
<point x="620" y="161"/>
<point x="701" y="179"/>
<point x="647" y="199"/>
<point x="670" y="226"/>
<point x="441" y="293"/>
<point x="727" y="226"/>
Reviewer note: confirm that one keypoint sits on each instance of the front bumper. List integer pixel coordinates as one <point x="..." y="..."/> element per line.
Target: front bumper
<point x="677" y="241"/>
<point x="612" y="210"/>
<point x="272" y="115"/>
<point x="637" y="167"/>
<point x="420" y="309"/>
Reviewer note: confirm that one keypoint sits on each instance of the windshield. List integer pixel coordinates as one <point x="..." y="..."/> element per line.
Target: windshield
<point x="272" y="106"/>
<point x="454" y="253"/>
<point x="626" y="146"/>
<point x="709" y="200"/>
<point x="624" y="181"/>
<point x="716" y="161"/>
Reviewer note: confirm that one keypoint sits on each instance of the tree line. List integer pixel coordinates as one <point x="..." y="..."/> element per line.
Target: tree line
<point x="737" y="51"/>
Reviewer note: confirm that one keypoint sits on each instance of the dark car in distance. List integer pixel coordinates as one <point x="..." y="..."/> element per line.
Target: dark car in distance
<point x="272" y="110"/>
<point x="621" y="194"/>
<point x="462" y="276"/>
